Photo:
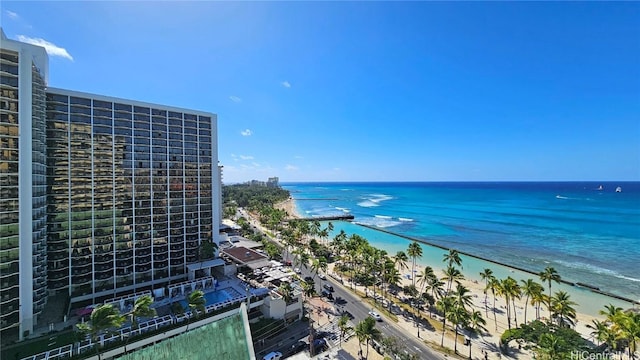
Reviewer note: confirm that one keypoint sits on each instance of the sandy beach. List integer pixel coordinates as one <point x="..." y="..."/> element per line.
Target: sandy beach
<point x="489" y="340"/>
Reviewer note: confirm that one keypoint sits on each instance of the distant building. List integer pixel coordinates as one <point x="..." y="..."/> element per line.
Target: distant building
<point x="272" y="182"/>
<point x="98" y="195"/>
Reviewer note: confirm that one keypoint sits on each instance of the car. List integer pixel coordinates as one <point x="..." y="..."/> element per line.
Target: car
<point x="327" y="294"/>
<point x="308" y="279"/>
<point x="322" y="276"/>
<point x="298" y="347"/>
<point x="297" y="270"/>
<point x="274" y="355"/>
<point x="319" y="345"/>
<point x="328" y="287"/>
<point x="375" y="315"/>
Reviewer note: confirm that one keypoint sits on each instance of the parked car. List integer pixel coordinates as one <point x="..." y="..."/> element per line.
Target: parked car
<point x="298" y="347"/>
<point x="322" y="276"/>
<point x="328" y="287"/>
<point x="308" y="279"/>
<point x="319" y="345"/>
<point x="274" y="355"/>
<point x="297" y="270"/>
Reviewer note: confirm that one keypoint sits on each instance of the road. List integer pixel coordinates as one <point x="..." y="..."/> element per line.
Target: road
<point x="360" y="310"/>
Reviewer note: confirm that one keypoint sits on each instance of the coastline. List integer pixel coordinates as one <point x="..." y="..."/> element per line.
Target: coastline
<point x="290" y="207"/>
<point x="495" y="324"/>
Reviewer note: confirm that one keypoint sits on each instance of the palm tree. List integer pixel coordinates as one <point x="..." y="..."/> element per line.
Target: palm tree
<point x="627" y="326"/>
<point x="424" y="276"/>
<point x="436" y="286"/>
<point x="600" y="330"/>
<point x="530" y="289"/>
<point x="142" y="308"/>
<point x="562" y="308"/>
<point x="366" y="331"/>
<point x="286" y="291"/>
<point x="103" y="318"/>
<point x="445" y="305"/>
<point x="458" y="316"/>
<point x="451" y="274"/>
<point x="400" y="260"/>
<point x="196" y="303"/>
<point x="414" y="251"/>
<point x="611" y="312"/>
<point x="486" y="275"/>
<point x="453" y="257"/>
<point x="343" y="325"/>
<point x="509" y="289"/>
<point x="476" y="324"/>
<point x="462" y="296"/>
<point x="548" y="275"/>
<point x="494" y="286"/>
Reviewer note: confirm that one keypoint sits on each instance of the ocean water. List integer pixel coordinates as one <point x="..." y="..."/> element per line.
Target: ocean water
<point x="588" y="235"/>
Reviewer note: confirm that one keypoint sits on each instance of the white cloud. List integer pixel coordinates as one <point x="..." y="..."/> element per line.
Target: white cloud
<point x="246" y="157"/>
<point x="51" y="48"/>
<point x="298" y="157"/>
<point x="246" y="132"/>
<point x="235" y="99"/>
<point x="286" y="84"/>
<point x="291" y="167"/>
<point x="11" y="14"/>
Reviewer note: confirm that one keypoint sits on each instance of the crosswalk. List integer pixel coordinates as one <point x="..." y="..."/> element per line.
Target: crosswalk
<point x="332" y="333"/>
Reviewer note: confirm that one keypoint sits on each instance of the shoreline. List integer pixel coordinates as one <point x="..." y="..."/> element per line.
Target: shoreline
<point x="290" y="207"/>
<point x="581" y="285"/>
<point x="495" y="324"/>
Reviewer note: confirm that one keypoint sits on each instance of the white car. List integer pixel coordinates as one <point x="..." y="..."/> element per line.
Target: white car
<point x="297" y="270"/>
<point x="322" y="276"/>
<point x="375" y="315"/>
<point x="275" y="355"/>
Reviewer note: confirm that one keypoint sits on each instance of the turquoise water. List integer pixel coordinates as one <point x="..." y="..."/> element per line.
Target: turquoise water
<point x="588" y="235"/>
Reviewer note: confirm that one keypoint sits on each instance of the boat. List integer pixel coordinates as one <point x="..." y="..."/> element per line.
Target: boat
<point x="600" y="188"/>
<point x="618" y="189"/>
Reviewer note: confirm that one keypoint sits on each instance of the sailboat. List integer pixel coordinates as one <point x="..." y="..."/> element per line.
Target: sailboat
<point x="618" y="189"/>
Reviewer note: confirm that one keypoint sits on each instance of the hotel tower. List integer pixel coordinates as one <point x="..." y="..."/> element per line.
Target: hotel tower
<point x="99" y="196"/>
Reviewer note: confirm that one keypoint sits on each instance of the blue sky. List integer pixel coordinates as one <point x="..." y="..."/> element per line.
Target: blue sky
<point x="370" y="91"/>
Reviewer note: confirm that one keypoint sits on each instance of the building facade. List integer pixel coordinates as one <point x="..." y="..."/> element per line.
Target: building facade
<point x="23" y="250"/>
<point x="122" y="192"/>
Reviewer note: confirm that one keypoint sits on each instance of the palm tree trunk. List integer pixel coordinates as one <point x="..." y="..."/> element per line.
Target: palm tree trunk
<point x="444" y="323"/>
<point x="455" y="341"/>
<point x="495" y="317"/>
<point x="515" y="312"/>
<point x="367" y="355"/>
<point x="526" y="305"/>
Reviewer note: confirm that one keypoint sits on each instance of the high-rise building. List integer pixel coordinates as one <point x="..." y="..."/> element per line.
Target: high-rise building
<point x="23" y="207"/>
<point x="100" y="195"/>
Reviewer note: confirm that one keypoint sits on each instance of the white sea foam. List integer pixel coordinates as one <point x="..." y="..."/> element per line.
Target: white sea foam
<point x="596" y="269"/>
<point x="379" y="222"/>
<point x="373" y="200"/>
<point x="368" y="203"/>
<point x="405" y="219"/>
<point x="383" y="217"/>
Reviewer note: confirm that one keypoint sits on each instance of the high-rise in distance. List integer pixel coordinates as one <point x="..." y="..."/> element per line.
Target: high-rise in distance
<point x="99" y="196"/>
